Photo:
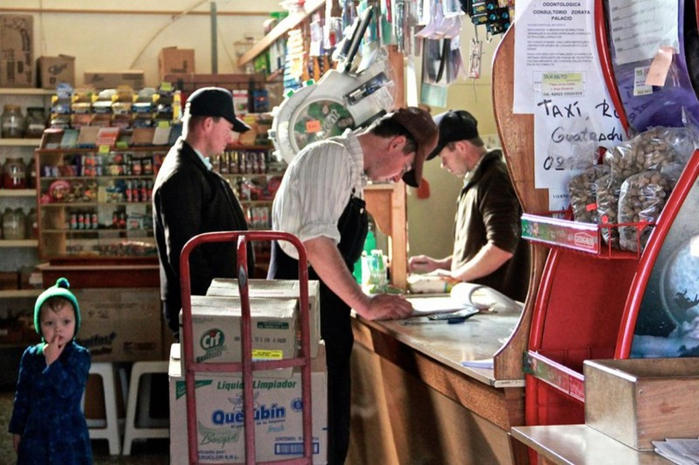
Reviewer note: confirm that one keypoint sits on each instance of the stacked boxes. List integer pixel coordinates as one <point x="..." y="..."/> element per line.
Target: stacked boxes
<point x="276" y="289"/>
<point x="216" y="337"/>
<point x="220" y="417"/>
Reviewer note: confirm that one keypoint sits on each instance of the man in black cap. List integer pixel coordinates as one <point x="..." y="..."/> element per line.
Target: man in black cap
<point x="189" y="199"/>
<point x="488" y="248"/>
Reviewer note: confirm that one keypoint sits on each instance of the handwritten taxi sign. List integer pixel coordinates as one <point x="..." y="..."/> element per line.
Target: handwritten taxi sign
<point x="569" y="131"/>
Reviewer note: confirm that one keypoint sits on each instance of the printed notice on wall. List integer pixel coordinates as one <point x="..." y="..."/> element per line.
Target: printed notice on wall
<point x="640" y="27"/>
<point x="553" y="36"/>
<point x="558" y="78"/>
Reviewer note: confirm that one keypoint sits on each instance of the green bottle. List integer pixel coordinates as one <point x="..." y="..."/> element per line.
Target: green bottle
<point x="369" y="245"/>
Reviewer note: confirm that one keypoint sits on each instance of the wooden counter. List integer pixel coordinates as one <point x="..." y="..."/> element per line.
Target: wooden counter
<point x="412" y="397"/>
<point x="580" y="444"/>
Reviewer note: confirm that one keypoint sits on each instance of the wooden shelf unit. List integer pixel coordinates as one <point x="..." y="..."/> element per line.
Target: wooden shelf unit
<point x="294" y="19"/>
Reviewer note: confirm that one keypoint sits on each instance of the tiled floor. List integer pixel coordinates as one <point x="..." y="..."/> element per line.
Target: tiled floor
<point x="151" y="451"/>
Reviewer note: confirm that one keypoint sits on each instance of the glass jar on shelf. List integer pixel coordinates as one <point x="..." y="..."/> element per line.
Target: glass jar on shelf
<point x="14" y="174"/>
<point x="13" y="224"/>
<point x="32" y="228"/>
<point x="12" y="122"/>
<point x="36" y="122"/>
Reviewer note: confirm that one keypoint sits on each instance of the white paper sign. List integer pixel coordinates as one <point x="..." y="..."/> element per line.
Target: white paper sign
<point x="559" y="79"/>
<point x="640" y="27"/>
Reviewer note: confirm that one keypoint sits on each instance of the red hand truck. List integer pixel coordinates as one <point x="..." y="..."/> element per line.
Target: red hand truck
<point x="246" y="366"/>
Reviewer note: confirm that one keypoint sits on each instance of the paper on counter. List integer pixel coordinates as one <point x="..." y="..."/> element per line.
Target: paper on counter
<point x="483" y="296"/>
<point x="423" y="306"/>
<point x="485" y="363"/>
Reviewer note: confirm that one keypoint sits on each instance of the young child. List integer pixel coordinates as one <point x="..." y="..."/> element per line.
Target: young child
<point x="47" y="422"/>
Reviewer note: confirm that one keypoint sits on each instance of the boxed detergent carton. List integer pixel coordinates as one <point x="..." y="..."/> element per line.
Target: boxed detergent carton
<point x="220" y="418"/>
<point x="217" y="336"/>
<point x="276" y="289"/>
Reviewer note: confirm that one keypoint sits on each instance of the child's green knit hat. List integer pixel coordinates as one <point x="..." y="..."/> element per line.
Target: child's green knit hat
<point x="60" y="289"/>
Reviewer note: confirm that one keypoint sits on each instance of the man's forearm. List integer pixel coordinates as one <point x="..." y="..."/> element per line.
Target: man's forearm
<point x="331" y="268"/>
<point x="486" y="261"/>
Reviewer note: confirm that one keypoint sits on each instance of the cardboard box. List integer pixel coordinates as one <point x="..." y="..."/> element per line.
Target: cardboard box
<point x="56" y="70"/>
<point x="277" y="289"/>
<point x="173" y="60"/>
<point x="16" y="51"/>
<point x="638" y="401"/>
<point x="278" y="412"/>
<point x="120" y="325"/>
<point x="113" y="79"/>
<point x="217" y="336"/>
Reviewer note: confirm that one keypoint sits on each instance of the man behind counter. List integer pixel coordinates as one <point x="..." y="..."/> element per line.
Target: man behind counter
<point x="488" y="249"/>
<point x="321" y="201"/>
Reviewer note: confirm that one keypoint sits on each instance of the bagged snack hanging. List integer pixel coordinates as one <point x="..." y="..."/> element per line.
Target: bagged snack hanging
<point x="583" y="197"/>
<point x="608" y="189"/>
<point x="641" y="199"/>
<point x="623" y="160"/>
<point x="660" y="149"/>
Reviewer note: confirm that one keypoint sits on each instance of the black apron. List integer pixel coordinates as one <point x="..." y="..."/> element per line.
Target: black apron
<point x="335" y="323"/>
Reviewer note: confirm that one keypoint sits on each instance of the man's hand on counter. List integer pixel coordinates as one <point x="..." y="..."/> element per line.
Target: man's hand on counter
<point x="388" y="307"/>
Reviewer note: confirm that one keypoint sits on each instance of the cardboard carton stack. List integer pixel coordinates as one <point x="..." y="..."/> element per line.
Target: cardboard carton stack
<point x="278" y="406"/>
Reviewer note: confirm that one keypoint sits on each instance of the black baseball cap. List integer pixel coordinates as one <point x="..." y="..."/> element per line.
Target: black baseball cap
<point x="214" y="101"/>
<point x="454" y="125"/>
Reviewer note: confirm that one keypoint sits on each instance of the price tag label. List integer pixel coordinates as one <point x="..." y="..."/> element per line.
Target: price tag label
<point x="313" y="126"/>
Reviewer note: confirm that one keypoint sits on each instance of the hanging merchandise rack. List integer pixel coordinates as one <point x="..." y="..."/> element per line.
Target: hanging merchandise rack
<point x="247" y="366"/>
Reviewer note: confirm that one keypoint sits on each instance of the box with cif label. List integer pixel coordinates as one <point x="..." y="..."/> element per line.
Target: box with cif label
<point x="276" y="289"/>
<point x="217" y="334"/>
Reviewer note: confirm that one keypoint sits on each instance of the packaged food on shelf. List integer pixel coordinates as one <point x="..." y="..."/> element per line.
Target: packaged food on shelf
<point x="608" y="189"/>
<point x="583" y="193"/>
<point x="641" y="200"/>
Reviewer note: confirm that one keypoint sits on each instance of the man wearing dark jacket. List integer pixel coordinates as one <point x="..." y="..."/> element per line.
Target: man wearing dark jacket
<point x="488" y="248"/>
<point x="189" y="199"/>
